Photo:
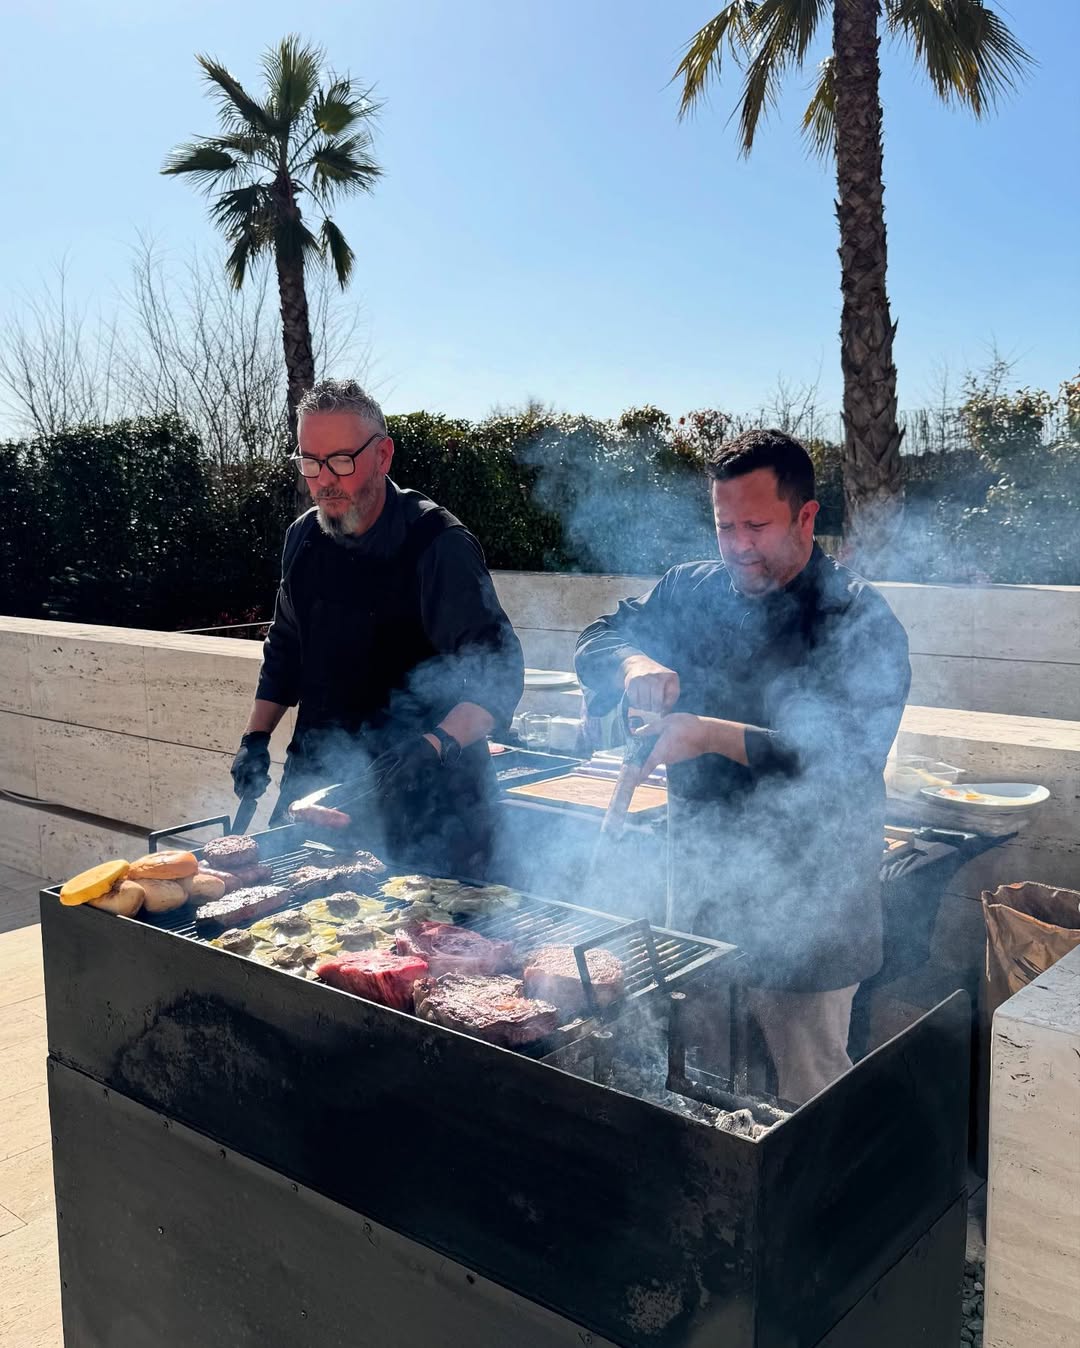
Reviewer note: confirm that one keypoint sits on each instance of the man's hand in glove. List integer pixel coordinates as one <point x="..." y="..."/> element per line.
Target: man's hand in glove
<point x="406" y="768"/>
<point x="251" y="766"/>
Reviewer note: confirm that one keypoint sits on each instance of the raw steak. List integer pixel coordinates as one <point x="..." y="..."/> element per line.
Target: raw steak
<point x="490" y="1008"/>
<point x="231" y="853"/>
<point x="552" y="973"/>
<point x="453" y="950"/>
<point x="375" y="974"/>
<point x="240" y="906"/>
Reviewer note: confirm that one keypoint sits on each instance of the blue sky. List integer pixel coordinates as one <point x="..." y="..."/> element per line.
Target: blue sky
<point x="546" y="227"/>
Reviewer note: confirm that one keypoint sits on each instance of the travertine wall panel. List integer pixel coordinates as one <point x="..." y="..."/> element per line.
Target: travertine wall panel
<point x="1033" y="1216"/>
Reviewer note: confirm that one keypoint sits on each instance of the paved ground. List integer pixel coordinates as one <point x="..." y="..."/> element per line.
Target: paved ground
<point x="29" y="1279"/>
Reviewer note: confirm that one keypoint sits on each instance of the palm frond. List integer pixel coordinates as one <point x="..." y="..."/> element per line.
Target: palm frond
<point x="704" y="52"/>
<point x="249" y="144"/>
<point x="819" y="119"/>
<point x="203" y="160"/>
<point x="338" y="107"/>
<point x="293" y="241"/>
<point x="244" y="211"/>
<point x="343" y="167"/>
<point x="339" y="252"/>
<point x="246" y="249"/>
<point x="780" y="34"/>
<point x="292" y="76"/>
<point x="968" y="50"/>
<point x="236" y="106"/>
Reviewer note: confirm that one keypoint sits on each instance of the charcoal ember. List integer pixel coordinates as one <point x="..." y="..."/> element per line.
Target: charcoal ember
<point x="234" y="852"/>
<point x="240" y="906"/>
<point x="453" y="950"/>
<point x="376" y="975"/>
<point x="551" y="973"/>
<point x="488" y="1007"/>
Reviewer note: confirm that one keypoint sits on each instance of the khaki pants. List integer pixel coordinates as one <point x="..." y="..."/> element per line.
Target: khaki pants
<point x="806" y="1034"/>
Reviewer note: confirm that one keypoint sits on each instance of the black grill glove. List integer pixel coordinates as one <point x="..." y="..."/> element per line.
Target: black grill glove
<point x="251" y="766"/>
<point x="407" y="769"/>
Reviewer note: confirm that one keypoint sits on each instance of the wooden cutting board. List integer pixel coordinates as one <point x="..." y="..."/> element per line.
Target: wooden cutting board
<point x="589" y="792"/>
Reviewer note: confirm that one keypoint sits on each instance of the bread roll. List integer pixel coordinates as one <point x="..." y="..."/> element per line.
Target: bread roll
<point x="204" y="887"/>
<point x="126" y="898"/>
<point x="163" y="866"/>
<point x="163" y="895"/>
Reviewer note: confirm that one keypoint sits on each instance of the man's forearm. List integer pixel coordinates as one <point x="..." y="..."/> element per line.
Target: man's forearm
<point x="467" y="723"/>
<point x="727" y="738"/>
<point x="264" y="716"/>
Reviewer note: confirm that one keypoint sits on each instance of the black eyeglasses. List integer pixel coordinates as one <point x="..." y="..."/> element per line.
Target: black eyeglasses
<point x="341" y="464"/>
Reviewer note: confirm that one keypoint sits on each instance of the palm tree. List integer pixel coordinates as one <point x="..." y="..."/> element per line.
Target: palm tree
<point x="303" y="138"/>
<point x="970" y="56"/>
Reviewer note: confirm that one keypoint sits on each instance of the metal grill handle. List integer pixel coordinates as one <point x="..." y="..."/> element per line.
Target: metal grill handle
<point x="177" y="830"/>
<point x="621" y="932"/>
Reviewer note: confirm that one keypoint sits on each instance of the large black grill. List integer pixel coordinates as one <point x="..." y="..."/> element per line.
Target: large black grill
<point x="324" y="1169"/>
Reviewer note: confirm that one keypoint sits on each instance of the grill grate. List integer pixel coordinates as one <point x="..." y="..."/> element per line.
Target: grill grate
<point x="652" y="958"/>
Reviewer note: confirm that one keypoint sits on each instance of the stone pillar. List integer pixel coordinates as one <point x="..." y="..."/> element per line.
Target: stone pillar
<point x="1033" y="1218"/>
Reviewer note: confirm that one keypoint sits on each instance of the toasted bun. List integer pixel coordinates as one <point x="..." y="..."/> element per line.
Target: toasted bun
<point x="163" y="866"/>
<point x="92" y="884"/>
<point x="161" y="896"/>
<point x="125" y="898"/>
<point x="204" y="887"/>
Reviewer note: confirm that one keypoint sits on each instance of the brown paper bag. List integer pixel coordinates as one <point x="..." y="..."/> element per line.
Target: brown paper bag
<point x="1028" y="928"/>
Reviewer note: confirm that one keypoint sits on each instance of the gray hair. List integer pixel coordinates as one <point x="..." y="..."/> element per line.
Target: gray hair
<point x="341" y="395"/>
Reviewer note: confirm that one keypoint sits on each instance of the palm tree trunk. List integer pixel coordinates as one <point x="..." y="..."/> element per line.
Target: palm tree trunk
<point x="873" y="483"/>
<point x="295" y="335"/>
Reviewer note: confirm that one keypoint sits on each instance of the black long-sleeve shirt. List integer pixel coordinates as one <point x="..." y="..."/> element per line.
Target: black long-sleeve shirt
<point x="819" y="672"/>
<point x="460" y="612"/>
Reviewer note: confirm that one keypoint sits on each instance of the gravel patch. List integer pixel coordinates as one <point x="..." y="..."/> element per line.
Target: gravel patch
<point x="971" y="1331"/>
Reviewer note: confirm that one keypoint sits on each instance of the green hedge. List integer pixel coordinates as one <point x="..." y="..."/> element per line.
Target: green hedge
<point x="130" y="524"/>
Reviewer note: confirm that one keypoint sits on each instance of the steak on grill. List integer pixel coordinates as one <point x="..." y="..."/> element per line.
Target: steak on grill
<point x="231" y="853"/>
<point x="240" y="906"/>
<point x="258" y="874"/>
<point x="490" y="1008"/>
<point x="453" y="950"/>
<point x="551" y="973"/>
<point x="310" y="881"/>
<point x="375" y="974"/>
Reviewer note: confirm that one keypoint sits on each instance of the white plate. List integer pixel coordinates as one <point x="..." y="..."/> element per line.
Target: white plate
<point x="549" y="678"/>
<point x="993" y="796"/>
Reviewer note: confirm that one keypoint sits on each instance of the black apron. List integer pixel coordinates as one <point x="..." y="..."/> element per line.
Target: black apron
<point x="370" y="678"/>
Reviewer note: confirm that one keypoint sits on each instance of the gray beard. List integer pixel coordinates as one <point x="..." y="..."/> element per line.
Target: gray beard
<point x="351" y="521"/>
<point x="340" y="526"/>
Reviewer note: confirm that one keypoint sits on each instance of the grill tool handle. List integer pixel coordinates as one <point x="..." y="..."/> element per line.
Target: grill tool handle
<point x="177" y="830"/>
<point x="638" y="749"/>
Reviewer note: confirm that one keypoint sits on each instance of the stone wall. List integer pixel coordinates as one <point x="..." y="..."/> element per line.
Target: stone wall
<point x="133" y="731"/>
<point x="1013" y="649"/>
<point x="1033" y="1214"/>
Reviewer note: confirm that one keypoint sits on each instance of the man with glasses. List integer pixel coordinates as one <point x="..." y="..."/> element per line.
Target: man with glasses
<point x="390" y="640"/>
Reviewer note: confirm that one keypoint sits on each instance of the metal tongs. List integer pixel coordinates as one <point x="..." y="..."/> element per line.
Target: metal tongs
<point x="338" y="806"/>
<point x="638" y="749"/>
